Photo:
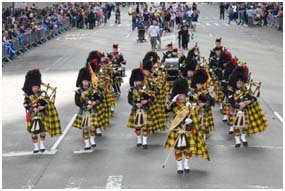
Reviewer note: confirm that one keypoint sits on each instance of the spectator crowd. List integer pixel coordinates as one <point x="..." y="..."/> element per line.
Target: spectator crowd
<point x="254" y="13"/>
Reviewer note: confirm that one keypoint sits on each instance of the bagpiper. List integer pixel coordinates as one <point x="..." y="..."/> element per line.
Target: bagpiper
<point x="204" y="102"/>
<point x="118" y="62"/>
<point x="41" y="114"/>
<point x="87" y="97"/>
<point x="140" y="97"/>
<point x="247" y="117"/>
<point x="185" y="136"/>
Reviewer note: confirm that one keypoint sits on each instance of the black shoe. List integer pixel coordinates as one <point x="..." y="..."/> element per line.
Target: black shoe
<point x="139" y="145"/>
<point x="245" y="144"/>
<point x="180" y="171"/>
<point x="94" y="145"/>
<point x="99" y="134"/>
<point x="237" y="145"/>
<point x="87" y="148"/>
<point x="36" y="151"/>
<point x="42" y="150"/>
<point x="231" y="132"/>
<point x="186" y="171"/>
<point x="144" y="146"/>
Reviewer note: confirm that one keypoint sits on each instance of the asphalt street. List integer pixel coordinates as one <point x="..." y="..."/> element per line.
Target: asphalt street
<point x="116" y="161"/>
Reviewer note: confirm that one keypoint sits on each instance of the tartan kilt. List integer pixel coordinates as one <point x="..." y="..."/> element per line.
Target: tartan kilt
<point x="110" y="99"/>
<point x="256" y="118"/>
<point x="51" y="120"/>
<point x="41" y="116"/>
<point x="161" y="113"/>
<point x="208" y="121"/>
<point x="196" y="144"/>
<point x="77" y="123"/>
<point x="154" y="112"/>
<point x="132" y="118"/>
<point x="103" y="115"/>
<point x="218" y="92"/>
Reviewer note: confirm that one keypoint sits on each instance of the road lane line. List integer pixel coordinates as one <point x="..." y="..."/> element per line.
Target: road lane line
<point x="83" y="151"/>
<point x="250" y="146"/>
<point x="60" y="138"/>
<point x="27" y="153"/>
<point x="278" y="116"/>
<point x="114" y="182"/>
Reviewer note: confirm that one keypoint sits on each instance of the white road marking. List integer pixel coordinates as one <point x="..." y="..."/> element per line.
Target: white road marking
<point x="251" y="146"/>
<point x="208" y="24"/>
<point x="74" y="183"/>
<point x="83" y="151"/>
<point x="114" y="182"/>
<point x="60" y="138"/>
<point x="279" y="117"/>
<point x="119" y="25"/>
<point x="27" y="153"/>
<point x="216" y="24"/>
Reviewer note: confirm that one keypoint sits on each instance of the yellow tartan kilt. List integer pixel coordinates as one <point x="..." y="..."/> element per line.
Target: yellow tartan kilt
<point x="77" y="123"/>
<point x="196" y="147"/>
<point x="132" y="119"/>
<point x="256" y="118"/>
<point x="208" y="121"/>
<point x="103" y="115"/>
<point x="218" y="92"/>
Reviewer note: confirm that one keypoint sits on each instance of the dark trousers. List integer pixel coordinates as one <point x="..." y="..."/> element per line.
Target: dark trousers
<point x="222" y="15"/>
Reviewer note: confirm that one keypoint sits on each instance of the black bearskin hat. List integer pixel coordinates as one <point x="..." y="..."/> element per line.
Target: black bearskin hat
<point x="180" y="86"/>
<point x="94" y="58"/>
<point x="228" y="70"/>
<point x="152" y="56"/>
<point x="218" y="39"/>
<point x="115" y="45"/>
<point x="137" y="75"/>
<point x="239" y="73"/>
<point x="82" y="75"/>
<point x="191" y="65"/>
<point x="148" y="65"/>
<point x="200" y="76"/>
<point x="33" y="78"/>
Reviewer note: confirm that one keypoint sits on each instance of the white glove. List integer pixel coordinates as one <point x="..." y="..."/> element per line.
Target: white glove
<point x="175" y="98"/>
<point x="188" y="121"/>
<point x="188" y="104"/>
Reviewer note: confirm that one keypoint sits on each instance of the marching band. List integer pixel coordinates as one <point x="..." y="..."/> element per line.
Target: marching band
<point x="177" y="90"/>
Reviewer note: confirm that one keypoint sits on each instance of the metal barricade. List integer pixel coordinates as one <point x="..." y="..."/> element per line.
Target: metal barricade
<point x="16" y="46"/>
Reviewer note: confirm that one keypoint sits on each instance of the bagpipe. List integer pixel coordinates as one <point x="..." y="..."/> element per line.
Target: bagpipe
<point x="48" y="94"/>
<point x="117" y="61"/>
<point x="203" y="97"/>
<point x="253" y="87"/>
